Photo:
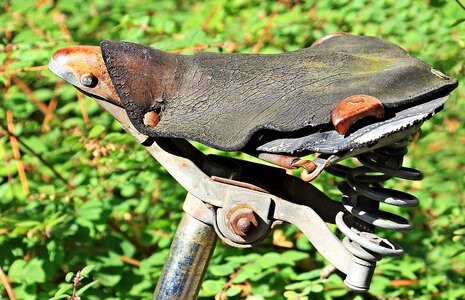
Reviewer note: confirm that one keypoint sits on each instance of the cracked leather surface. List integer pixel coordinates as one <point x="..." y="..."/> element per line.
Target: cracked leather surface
<point x="222" y="100"/>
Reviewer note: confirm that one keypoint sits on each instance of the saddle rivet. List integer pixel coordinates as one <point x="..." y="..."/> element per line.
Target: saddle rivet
<point x="356" y="100"/>
<point x="89" y="80"/>
<point x="354" y="108"/>
<point x="151" y="119"/>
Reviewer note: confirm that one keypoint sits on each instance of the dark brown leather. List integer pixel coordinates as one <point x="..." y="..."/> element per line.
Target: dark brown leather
<point x="223" y="100"/>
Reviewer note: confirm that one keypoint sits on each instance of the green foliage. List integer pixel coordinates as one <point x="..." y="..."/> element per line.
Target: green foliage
<point x="75" y="280"/>
<point x="116" y="209"/>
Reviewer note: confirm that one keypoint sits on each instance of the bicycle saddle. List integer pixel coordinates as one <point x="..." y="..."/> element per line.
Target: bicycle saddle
<point x="343" y="96"/>
<point x="280" y="103"/>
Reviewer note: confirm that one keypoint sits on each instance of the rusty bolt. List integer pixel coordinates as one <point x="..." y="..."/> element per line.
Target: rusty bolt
<point x="243" y="221"/>
<point x="151" y="119"/>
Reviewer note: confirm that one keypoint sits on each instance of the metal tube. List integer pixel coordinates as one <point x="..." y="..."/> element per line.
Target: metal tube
<point x="188" y="260"/>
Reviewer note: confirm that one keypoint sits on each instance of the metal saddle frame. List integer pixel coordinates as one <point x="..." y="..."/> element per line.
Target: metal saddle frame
<point x="241" y="201"/>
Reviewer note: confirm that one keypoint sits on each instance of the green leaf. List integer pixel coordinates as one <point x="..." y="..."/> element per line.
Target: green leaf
<point x="302" y="243"/>
<point x="268" y="260"/>
<point x="457" y="22"/>
<point x="458" y="252"/>
<point x="233" y="291"/>
<point x="212" y="287"/>
<point x="128" y="190"/>
<point x="309" y="275"/>
<point x="86" y="270"/>
<point x="27" y="224"/>
<point x="222" y="270"/>
<point x="459" y="239"/>
<point x="96" y="131"/>
<point x="291" y="256"/>
<point x="298" y="285"/>
<point x="460" y="231"/>
<point x="69" y="277"/>
<point x="293" y="295"/>
<point x="91" y="210"/>
<point x="157" y="259"/>
<point x="318" y="288"/>
<point x="63" y="289"/>
<point x="62" y="296"/>
<point x="243" y="259"/>
<point x="337" y="292"/>
<point x="108" y="280"/>
<point x="86" y="287"/>
<point x="28" y="272"/>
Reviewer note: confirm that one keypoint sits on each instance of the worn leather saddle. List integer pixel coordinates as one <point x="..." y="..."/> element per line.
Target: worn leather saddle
<point x="280" y="103"/>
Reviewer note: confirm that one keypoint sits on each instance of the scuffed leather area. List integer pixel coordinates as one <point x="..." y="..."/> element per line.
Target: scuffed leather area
<point x="222" y="100"/>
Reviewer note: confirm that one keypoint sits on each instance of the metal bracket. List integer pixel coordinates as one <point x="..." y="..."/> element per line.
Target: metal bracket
<point x="242" y="200"/>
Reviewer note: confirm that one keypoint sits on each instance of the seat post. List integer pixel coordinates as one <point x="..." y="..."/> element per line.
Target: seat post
<point x="188" y="260"/>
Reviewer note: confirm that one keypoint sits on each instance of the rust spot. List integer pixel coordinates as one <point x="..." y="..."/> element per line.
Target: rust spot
<point x="284" y="161"/>
<point x="151" y="119"/>
<point x="84" y="66"/>
<point x="327" y="37"/>
<point x="243" y="223"/>
<point x="354" y="108"/>
<point x="242" y="220"/>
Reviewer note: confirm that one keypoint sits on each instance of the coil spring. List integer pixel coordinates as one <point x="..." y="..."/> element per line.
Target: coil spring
<point x="362" y="194"/>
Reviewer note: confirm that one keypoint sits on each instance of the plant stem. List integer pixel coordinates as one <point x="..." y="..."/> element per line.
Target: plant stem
<point x="461" y="5"/>
<point x="37" y="155"/>
<point x="6" y="284"/>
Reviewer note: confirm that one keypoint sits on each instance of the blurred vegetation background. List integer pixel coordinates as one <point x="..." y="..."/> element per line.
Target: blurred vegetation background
<point x="76" y="191"/>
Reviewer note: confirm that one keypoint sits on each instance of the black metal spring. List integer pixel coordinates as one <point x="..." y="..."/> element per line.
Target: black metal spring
<point x="363" y="192"/>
